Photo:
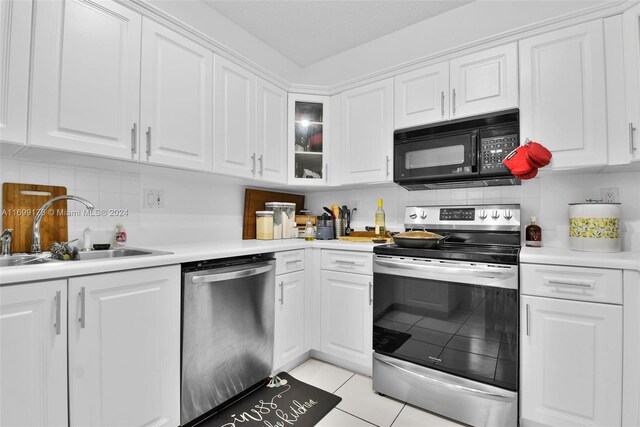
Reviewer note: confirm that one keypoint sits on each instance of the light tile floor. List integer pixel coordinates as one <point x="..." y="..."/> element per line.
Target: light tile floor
<point x="360" y="405"/>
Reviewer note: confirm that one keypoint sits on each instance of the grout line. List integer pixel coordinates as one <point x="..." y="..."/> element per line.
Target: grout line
<point x="355" y="416"/>
<point x="346" y="381"/>
<point x="399" y="412"/>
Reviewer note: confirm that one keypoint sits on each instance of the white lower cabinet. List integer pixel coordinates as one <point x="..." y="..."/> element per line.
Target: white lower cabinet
<point x="124" y="348"/>
<point x="571" y="363"/>
<point x="33" y="354"/>
<point x="346" y="317"/>
<point x="289" y="318"/>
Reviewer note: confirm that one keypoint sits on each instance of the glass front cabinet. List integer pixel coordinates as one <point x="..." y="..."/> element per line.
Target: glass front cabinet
<point x="308" y="139"/>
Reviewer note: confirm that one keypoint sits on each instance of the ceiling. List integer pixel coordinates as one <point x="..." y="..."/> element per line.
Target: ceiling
<point x="308" y="31"/>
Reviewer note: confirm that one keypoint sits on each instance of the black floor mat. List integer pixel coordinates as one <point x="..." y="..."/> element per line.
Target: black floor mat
<point x="387" y="340"/>
<point x="292" y="404"/>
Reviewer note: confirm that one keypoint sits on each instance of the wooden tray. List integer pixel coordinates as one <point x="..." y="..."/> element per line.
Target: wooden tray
<point x="360" y="239"/>
<point x="53" y="227"/>
<point x="254" y="200"/>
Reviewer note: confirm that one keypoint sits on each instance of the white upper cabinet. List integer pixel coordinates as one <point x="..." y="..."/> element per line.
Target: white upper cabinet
<point x="33" y="354"/>
<point x="563" y="94"/>
<point x="15" y="40"/>
<point x="86" y="77"/>
<point x="176" y="100"/>
<point x="234" y="127"/>
<point x="124" y="348"/>
<point x="484" y="81"/>
<point x="631" y="28"/>
<point x="271" y="132"/>
<point x="422" y="96"/>
<point x="367" y="133"/>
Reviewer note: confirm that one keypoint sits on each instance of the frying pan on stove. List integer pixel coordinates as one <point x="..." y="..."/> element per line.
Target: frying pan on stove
<point x="418" y="239"/>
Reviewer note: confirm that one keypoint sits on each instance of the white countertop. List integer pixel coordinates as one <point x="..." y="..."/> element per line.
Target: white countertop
<point x="565" y="256"/>
<point x="180" y="254"/>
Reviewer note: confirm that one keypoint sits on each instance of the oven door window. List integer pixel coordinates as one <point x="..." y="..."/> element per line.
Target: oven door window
<point x="466" y="330"/>
<point x="450" y="156"/>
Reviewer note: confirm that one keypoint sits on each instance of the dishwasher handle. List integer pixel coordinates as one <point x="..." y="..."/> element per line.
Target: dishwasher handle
<point x="237" y="273"/>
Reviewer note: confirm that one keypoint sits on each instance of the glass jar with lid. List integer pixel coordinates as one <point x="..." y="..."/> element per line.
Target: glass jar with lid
<point x="276" y="208"/>
<point x="264" y="225"/>
<point x="288" y="219"/>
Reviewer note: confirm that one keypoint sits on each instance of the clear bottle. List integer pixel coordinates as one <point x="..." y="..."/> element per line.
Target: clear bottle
<point x="119" y="237"/>
<point x="533" y="234"/>
<point x="380" y="227"/>
<point x="309" y="231"/>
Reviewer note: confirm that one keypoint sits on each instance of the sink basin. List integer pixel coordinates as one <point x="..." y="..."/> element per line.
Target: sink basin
<point x="19" y="260"/>
<point x="118" y="253"/>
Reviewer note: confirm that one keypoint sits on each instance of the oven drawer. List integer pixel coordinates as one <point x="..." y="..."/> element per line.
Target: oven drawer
<point x="575" y="283"/>
<point x="289" y="261"/>
<point x="347" y="261"/>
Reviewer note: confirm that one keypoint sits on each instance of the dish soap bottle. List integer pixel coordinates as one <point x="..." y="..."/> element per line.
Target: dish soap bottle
<point x="533" y="234"/>
<point x="119" y="237"/>
<point x="380" y="228"/>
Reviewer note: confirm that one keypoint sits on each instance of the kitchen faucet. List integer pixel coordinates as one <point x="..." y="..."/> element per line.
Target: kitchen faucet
<point x="5" y="237"/>
<point x="35" y="245"/>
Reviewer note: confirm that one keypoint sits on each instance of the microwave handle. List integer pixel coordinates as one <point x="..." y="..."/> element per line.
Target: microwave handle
<point x="474" y="150"/>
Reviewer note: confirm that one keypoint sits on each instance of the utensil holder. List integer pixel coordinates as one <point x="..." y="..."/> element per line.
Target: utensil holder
<point x="339" y="226"/>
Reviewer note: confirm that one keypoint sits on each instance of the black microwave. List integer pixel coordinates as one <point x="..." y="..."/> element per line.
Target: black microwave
<point x="462" y="153"/>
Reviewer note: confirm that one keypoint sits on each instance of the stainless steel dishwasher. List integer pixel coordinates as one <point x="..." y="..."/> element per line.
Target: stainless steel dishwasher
<point x="227" y="331"/>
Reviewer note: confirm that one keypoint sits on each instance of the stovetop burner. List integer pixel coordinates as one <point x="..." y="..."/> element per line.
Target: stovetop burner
<point x="459" y="252"/>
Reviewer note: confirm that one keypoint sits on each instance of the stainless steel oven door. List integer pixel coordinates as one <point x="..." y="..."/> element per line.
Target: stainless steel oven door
<point x="453" y="316"/>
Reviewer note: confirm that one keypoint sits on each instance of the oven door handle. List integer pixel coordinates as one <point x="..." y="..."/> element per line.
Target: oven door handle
<point x="485" y="394"/>
<point x="437" y="269"/>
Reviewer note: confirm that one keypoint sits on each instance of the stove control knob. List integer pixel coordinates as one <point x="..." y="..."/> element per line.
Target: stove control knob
<point x="507" y="214"/>
<point x="482" y="214"/>
<point x="413" y="215"/>
<point x="423" y="214"/>
<point x="495" y="214"/>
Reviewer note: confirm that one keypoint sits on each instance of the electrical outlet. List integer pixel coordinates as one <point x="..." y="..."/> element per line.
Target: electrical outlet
<point x="610" y="195"/>
<point x="153" y="199"/>
<point x="354" y="204"/>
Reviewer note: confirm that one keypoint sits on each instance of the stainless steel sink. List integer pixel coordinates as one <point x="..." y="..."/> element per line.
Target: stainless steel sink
<point x="19" y="260"/>
<point x="119" y="253"/>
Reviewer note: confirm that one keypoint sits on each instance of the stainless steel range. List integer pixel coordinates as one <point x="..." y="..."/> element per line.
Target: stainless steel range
<point x="446" y="319"/>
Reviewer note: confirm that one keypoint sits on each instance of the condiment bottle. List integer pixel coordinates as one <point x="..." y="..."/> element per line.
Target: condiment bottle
<point x="533" y="234"/>
<point x="380" y="228"/>
<point x="119" y="237"/>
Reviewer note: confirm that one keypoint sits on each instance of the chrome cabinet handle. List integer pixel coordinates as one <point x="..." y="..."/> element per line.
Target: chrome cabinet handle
<point x="387" y="165"/>
<point x="527" y="308"/>
<point x="282" y="293"/>
<point x="570" y="282"/>
<point x="58" y="309"/>
<point x="370" y="293"/>
<point x="442" y="103"/>
<point x="295" y="261"/>
<point x="339" y="261"/>
<point x="261" y="164"/>
<point x="148" y="142"/>
<point x="253" y="160"/>
<point x="453" y="101"/>
<point x="134" y="139"/>
<point x="82" y="319"/>
<point x="326" y="172"/>
<point x="632" y="148"/>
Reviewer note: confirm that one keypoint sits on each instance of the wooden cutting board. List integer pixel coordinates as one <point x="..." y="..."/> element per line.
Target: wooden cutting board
<point x="254" y="200"/>
<point x="19" y="206"/>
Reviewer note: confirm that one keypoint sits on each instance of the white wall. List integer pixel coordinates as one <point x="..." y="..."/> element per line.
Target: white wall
<point x="546" y="197"/>
<point x="198" y="207"/>
<point x="466" y="24"/>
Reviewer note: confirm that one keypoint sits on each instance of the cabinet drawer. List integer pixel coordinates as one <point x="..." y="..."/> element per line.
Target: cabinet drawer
<point x="347" y="261"/>
<point x="289" y="261"/>
<point x="576" y="283"/>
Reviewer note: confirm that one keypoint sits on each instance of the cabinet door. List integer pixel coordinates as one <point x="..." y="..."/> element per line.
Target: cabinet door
<point x="485" y="81"/>
<point x="124" y="348"/>
<point x="631" y="28"/>
<point x="86" y="77"/>
<point x="367" y="133"/>
<point x="271" y="132"/>
<point x="422" y="96"/>
<point x="308" y="137"/>
<point x="33" y="354"/>
<point x="563" y="99"/>
<point x="15" y="39"/>
<point x="571" y="363"/>
<point x="177" y="99"/>
<point x="289" y="322"/>
<point x="346" y="317"/>
<point x="234" y="127"/>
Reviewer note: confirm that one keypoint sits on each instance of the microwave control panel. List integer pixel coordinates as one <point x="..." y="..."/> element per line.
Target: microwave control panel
<point x="494" y="149"/>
